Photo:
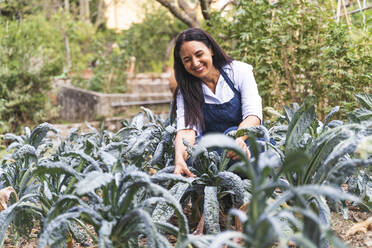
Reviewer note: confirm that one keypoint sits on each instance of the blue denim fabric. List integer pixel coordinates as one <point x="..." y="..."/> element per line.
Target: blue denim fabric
<point x="219" y="117"/>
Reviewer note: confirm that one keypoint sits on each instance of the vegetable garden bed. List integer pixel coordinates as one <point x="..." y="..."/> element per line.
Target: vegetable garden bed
<point x="122" y="186"/>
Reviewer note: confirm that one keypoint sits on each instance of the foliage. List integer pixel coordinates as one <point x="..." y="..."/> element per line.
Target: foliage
<point x="297" y="49"/>
<point x="18" y="9"/>
<point x="34" y="47"/>
<point x="361" y="21"/>
<point x="265" y="223"/>
<point x="149" y="40"/>
<point x="109" y="65"/>
<point x="213" y="190"/>
<point x="26" y="68"/>
<point x="110" y="72"/>
<point x="107" y="180"/>
<point x="324" y="147"/>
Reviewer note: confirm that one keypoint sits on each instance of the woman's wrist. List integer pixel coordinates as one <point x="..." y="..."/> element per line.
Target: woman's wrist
<point x="242" y="138"/>
<point x="179" y="160"/>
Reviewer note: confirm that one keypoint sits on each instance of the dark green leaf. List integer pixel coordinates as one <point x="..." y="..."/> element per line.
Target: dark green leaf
<point x="92" y="181"/>
<point x="329" y="116"/>
<point x="40" y="132"/>
<point x="162" y="211"/>
<point x="302" y="119"/>
<point x="211" y="210"/>
<point x="365" y="100"/>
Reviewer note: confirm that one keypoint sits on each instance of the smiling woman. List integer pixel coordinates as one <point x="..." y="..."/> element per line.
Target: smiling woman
<point x="215" y="93"/>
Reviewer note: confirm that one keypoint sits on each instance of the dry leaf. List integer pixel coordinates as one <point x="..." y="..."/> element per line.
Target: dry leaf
<point x="5" y="195"/>
<point x="238" y="224"/>
<point x="152" y="171"/>
<point x="360" y="227"/>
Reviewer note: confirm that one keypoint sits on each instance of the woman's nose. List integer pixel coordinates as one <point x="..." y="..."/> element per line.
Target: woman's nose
<point x="195" y="62"/>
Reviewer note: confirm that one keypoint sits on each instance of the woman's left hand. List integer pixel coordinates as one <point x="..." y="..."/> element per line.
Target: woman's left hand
<point x="242" y="145"/>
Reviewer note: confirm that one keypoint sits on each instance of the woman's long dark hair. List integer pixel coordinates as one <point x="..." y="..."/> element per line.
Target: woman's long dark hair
<point x="190" y="86"/>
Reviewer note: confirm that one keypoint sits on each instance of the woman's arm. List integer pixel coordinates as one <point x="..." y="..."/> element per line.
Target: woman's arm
<point x="180" y="166"/>
<point x="249" y="121"/>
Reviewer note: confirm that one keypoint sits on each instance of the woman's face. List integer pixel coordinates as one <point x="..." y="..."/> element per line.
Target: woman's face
<point x="197" y="59"/>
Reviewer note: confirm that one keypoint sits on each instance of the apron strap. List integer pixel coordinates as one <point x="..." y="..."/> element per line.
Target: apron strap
<point x="171" y="117"/>
<point x="229" y="82"/>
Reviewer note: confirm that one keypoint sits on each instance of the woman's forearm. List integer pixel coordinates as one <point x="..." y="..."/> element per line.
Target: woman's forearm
<point x="249" y="121"/>
<point x="180" y="149"/>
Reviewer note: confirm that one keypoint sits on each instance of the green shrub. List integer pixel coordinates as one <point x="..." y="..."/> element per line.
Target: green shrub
<point x="110" y="72"/>
<point x="18" y="9"/>
<point x="297" y="49"/>
<point x="148" y="40"/>
<point x="27" y="63"/>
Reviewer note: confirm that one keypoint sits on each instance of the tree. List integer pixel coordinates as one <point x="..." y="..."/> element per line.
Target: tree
<point x="152" y="40"/>
<point x="187" y="11"/>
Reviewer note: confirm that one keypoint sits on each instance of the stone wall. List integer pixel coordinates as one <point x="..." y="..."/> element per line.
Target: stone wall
<point x="82" y="105"/>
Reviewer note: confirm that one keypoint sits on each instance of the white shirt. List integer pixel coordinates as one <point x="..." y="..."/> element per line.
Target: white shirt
<point x="241" y="74"/>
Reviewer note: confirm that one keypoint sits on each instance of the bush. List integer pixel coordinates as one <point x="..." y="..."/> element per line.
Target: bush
<point x="27" y="63"/>
<point x="149" y="40"/>
<point x="297" y="49"/>
<point x="110" y="72"/>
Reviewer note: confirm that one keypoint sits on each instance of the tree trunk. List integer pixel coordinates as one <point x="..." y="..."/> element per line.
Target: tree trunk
<point x="167" y="53"/>
<point x="100" y="14"/>
<point x="67" y="6"/>
<point x="68" y="54"/>
<point x="205" y="6"/>
<point x="84" y="10"/>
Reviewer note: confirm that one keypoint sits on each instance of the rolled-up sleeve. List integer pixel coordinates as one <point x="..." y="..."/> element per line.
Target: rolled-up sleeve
<point x="251" y="100"/>
<point x="181" y="115"/>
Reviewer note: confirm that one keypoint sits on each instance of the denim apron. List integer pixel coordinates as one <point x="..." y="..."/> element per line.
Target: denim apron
<point x="220" y="117"/>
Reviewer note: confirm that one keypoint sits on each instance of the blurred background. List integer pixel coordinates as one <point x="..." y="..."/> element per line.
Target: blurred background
<point x="68" y="61"/>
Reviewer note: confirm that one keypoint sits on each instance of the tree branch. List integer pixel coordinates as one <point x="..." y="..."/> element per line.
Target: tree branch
<point x="186" y="8"/>
<point x="100" y="14"/>
<point x="178" y="13"/>
<point x="205" y="6"/>
<point x="168" y="52"/>
<point x="227" y="4"/>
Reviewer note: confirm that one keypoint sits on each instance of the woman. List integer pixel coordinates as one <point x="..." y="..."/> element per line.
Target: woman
<point x="215" y="93"/>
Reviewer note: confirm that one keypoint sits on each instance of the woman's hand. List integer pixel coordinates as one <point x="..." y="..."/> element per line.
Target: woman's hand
<point x="180" y="168"/>
<point x="242" y="145"/>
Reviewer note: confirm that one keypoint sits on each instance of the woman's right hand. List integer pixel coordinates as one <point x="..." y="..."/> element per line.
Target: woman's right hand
<point x="180" y="168"/>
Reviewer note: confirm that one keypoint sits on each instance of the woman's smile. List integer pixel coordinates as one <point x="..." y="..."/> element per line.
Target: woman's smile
<point x="199" y="69"/>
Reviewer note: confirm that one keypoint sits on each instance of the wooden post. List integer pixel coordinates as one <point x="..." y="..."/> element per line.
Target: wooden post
<point x="346" y="14"/>
<point x="364" y="17"/>
<point x="338" y="11"/>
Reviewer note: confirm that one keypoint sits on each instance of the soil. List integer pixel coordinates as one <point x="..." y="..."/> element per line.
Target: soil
<point x="360" y="239"/>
